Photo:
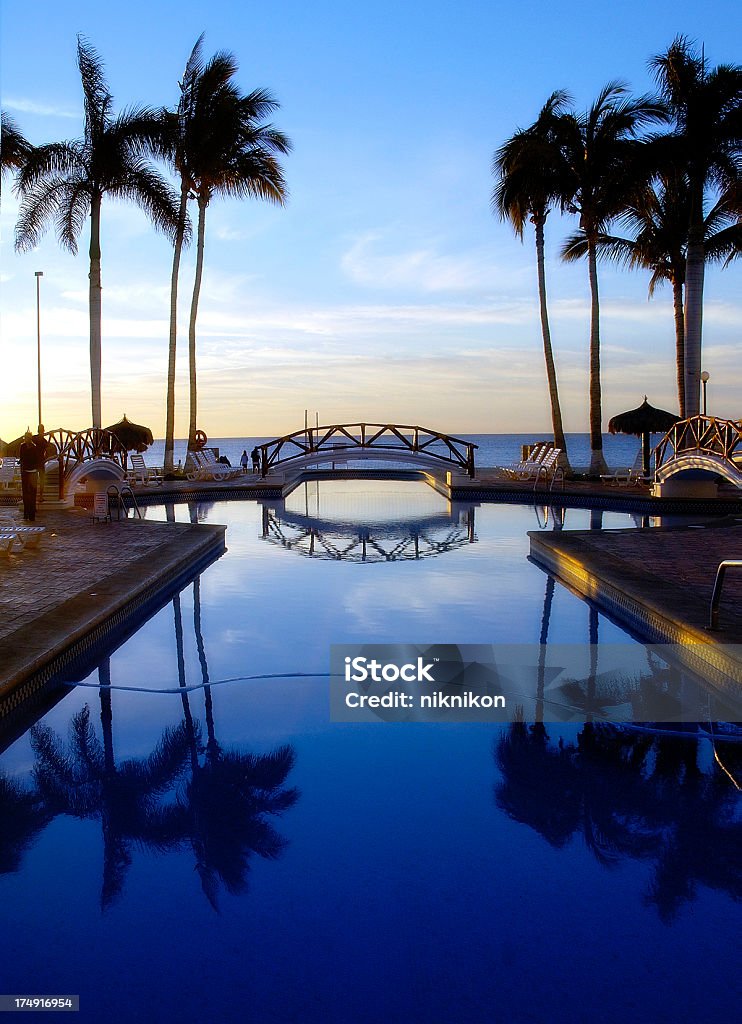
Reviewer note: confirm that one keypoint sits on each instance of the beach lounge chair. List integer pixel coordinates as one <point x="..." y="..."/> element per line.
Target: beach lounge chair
<point x="207" y="468"/>
<point x="525" y="469"/>
<point x="210" y="460"/>
<point x="141" y="473"/>
<point x="24" y="536"/>
<point x="8" y="472"/>
<point x="548" y="469"/>
<point x="624" y="476"/>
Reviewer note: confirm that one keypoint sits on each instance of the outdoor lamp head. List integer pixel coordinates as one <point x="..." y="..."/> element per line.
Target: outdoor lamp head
<point x="39" y="273"/>
<point x="705" y="376"/>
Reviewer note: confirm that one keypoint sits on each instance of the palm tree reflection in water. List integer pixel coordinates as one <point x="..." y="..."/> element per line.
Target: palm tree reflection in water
<point x="212" y="801"/>
<point x="222" y="809"/>
<point x="629" y="795"/>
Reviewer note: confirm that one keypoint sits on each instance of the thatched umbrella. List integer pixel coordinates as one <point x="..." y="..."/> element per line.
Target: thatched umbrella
<point x="642" y="422"/>
<point x="13" y="448"/>
<point x="132" y="436"/>
<point x="3" y="447"/>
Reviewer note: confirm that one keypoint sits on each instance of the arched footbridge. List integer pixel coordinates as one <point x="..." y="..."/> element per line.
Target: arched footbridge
<point x="91" y="454"/>
<point x="701" y="446"/>
<point x="387" y="442"/>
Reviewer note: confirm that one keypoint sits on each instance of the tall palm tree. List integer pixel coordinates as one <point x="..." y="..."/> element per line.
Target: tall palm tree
<point x="14" y="148"/>
<point x="658" y="219"/>
<point x="227" y="149"/>
<point x="533" y="176"/>
<point x="602" y="150"/>
<point x="66" y="181"/>
<point x="707" y="144"/>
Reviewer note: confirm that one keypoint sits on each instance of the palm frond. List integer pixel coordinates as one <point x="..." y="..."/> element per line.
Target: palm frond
<point x="41" y="204"/>
<point x="145" y="187"/>
<point x="97" y="98"/>
<point x="14" y="148"/>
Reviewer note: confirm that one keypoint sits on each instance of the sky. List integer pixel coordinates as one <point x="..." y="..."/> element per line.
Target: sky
<point x="385" y="290"/>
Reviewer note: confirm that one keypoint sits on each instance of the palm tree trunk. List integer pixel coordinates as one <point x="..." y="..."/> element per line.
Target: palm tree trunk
<point x="169" y="463"/>
<point x="556" y="411"/>
<point x="95" y="309"/>
<point x="677" y="297"/>
<point x="597" y="461"/>
<point x="192" y="326"/>
<point x="694" y="272"/>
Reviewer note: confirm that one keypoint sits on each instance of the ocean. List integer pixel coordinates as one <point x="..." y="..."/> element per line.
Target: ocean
<point x="493" y="450"/>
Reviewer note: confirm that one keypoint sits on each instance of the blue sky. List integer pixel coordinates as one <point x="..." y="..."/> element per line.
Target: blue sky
<point x="385" y="290"/>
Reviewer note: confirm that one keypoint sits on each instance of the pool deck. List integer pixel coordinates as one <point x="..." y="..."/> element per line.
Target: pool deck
<point x="82" y="578"/>
<point x="658" y="582"/>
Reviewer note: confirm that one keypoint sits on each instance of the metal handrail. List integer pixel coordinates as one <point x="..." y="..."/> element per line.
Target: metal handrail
<point x="728" y="563"/>
<point x="119" y="491"/>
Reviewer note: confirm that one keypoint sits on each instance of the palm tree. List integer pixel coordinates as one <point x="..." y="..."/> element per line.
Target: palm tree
<point x="66" y="181"/>
<point x="532" y="177"/>
<point x="603" y="154"/>
<point x="658" y="218"/>
<point x="706" y="143"/>
<point x="225" y="148"/>
<point x="14" y="149"/>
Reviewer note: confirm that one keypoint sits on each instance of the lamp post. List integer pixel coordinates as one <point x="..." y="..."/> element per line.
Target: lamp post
<point x="704" y="381"/>
<point x="39" y="275"/>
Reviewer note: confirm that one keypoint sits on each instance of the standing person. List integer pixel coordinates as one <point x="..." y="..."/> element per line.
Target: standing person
<point x="255" y="456"/>
<point x="243" y="460"/>
<point x="29" y="461"/>
<point x="41" y="445"/>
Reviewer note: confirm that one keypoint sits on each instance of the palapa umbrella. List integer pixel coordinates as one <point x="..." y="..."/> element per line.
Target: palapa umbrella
<point x="642" y="422"/>
<point x="132" y="436"/>
<point x="3" y="447"/>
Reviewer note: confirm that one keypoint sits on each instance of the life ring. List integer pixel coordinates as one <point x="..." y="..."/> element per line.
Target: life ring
<point x="200" y="440"/>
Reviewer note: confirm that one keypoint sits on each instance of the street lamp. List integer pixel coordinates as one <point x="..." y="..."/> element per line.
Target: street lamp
<point x="704" y="381"/>
<point x="39" y="275"/>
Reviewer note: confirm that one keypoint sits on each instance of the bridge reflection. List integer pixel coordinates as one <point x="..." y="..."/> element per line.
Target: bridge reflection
<point x="390" y="541"/>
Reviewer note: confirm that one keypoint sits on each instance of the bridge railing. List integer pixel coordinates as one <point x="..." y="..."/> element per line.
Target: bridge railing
<point x="71" y="447"/>
<point x="343" y="439"/>
<point x="702" y="435"/>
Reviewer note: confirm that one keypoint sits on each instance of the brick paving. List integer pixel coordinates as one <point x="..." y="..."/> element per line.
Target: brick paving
<point x="79" y="575"/>
<point x="672" y="570"/>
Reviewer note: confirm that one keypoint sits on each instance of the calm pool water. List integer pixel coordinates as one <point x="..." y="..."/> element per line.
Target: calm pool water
<point x="227" y="853"/>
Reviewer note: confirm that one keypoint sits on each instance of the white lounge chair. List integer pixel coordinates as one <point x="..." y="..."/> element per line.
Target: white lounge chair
<point x="548" y="469"/>
<point x="526" y="469"/>
<point x="25" y="536"/>
<point x="8" y="472"/>
<point x="624" y="476"/>
<point x="207" y="468"/>
<point x="141" y="473"/>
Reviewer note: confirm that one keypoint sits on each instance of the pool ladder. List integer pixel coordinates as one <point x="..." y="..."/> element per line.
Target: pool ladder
<point x="121" y="492"/>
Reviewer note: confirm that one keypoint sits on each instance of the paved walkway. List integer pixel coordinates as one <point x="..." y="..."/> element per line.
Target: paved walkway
<point x="669" y="572"/>
<point x="79" y="576"/>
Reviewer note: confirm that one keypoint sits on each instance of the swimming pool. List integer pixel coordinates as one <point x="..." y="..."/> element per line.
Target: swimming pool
<point x="225" y="852"/>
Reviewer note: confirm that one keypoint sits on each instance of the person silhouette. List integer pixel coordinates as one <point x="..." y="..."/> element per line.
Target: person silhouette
<point x="243" y="460"/>
<point x="29" y="460"/>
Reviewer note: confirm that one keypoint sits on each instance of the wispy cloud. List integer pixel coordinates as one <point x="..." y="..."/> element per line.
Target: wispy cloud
<point x="27" y="106"/>
<point x="373" y="261"/>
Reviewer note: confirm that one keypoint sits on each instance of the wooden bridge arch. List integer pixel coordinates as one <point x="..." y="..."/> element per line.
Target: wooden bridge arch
<point x="701" y="445"/>
<point x="387" y="441"/>
<point x="87" y="449"/>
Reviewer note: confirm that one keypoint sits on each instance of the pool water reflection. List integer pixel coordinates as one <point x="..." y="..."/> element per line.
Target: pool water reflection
<point x="225" y="853"/>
